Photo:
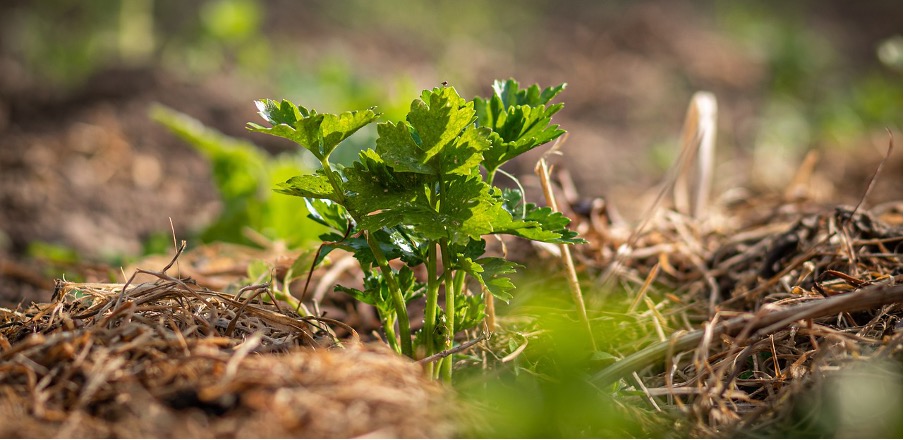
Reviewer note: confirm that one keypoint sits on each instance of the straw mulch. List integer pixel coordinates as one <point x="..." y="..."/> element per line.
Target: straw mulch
<point x="752" y="310"/>
<point x="169" y="358"/>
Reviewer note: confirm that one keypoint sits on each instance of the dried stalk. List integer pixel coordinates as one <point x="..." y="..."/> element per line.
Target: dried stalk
<point x="697" y="140"/>
<point x="574" y="285"/>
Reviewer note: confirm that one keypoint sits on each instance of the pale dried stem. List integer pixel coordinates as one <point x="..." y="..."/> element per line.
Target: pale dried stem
<point x="574" y="285"/>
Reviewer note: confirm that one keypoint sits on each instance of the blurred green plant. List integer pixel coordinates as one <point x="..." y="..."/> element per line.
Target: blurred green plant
<point x="244" y="174"/>
<point x="226" y="35"/>
<point x="90" y="31"/>
<point x="420" y="197"/>
<point x="52" y="253"/>
<point x="831" y="102"/>
<point x="545" y="390"/>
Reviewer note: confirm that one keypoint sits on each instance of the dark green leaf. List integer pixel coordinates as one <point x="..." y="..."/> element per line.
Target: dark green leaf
<point x="473" y="249"/>
<point x="490" y="273"/>
<point x="513" y="202"/>
<point x="373" y="188"/>
<point x="469" y="208"/>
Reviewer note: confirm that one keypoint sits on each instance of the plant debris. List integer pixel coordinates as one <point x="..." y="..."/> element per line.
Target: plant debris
<point x="753" y="307"/>
<point x="172" y="359"/>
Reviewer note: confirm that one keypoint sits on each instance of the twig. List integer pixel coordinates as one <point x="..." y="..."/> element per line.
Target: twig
<point x="873" y="178"/>
<point x="451" y="351"/>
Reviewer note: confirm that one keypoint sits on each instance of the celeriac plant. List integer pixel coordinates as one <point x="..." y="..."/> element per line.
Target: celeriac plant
<point x="425" y="196"/>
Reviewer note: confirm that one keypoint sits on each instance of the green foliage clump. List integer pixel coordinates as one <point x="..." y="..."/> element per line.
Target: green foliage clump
<point x="420" y="196"/>
<point x="244" y="174"/>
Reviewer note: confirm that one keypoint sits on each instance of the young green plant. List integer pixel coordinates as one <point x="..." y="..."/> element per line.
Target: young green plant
<point x="424" y="196"/>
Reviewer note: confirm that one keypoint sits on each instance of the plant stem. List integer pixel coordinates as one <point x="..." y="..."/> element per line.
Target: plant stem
<point x="331" y="175"/>
<point x="446" y="372"/>
<point x="397" y="299"/>
<point x="389" y="328"/>
<point x="432" y="300"/>
<point x="491" y="174"/>
<point x="574" y="285"/>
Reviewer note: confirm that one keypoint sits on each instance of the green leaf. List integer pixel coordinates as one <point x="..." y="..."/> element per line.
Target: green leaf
<point x="473" y="249"/>
<point x="520" y="120"/>
<point x="534" y="223"/>
<point x="373" y="187"/>
<point x="328" y="213"/>
<point x="239" y="167"/>
<point x="490" y="273"/>
<point x="464" y="155"/>
<point x="469" y="311"/>
<point x="316" y="186"/>
<point x="425" y="174"/>
<point x="283" y="112"/>
<point x="318" y="133"/>
<point x="375" y="293"/>
<point x="511" y="95"/>
<point x="396" y="146"/>
<point x="411" y="245"/>
<point x="376" y="290"/>
<point x="304" y="263"/>
<point x="470" y="208"/>
<point x="258" y="270"/>
<point x="438" y="118"/>
<point x="244" y="175"/>
<point x="438" y="138"/>
<point x="534" y="230"/>
<point x="389" y="243"/>
<point x="411" y="289"/>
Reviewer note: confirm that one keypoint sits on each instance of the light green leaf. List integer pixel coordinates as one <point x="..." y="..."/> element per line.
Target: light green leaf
<point x="519" y="119"/>
<point x="469" y="311"/>
<point x="283" y="112"/>
<point x="397" y="148"/>
<point x="318" y="133"/>
<point x="315" y="186"/>
<point x="438" y="138"/>
<point x="327" y="213"/>
<point x="438" y="118"/>
<point x="541" y="224"/>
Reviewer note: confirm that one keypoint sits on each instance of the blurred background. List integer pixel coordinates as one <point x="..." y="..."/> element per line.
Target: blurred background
<point x="86" y="172"/>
